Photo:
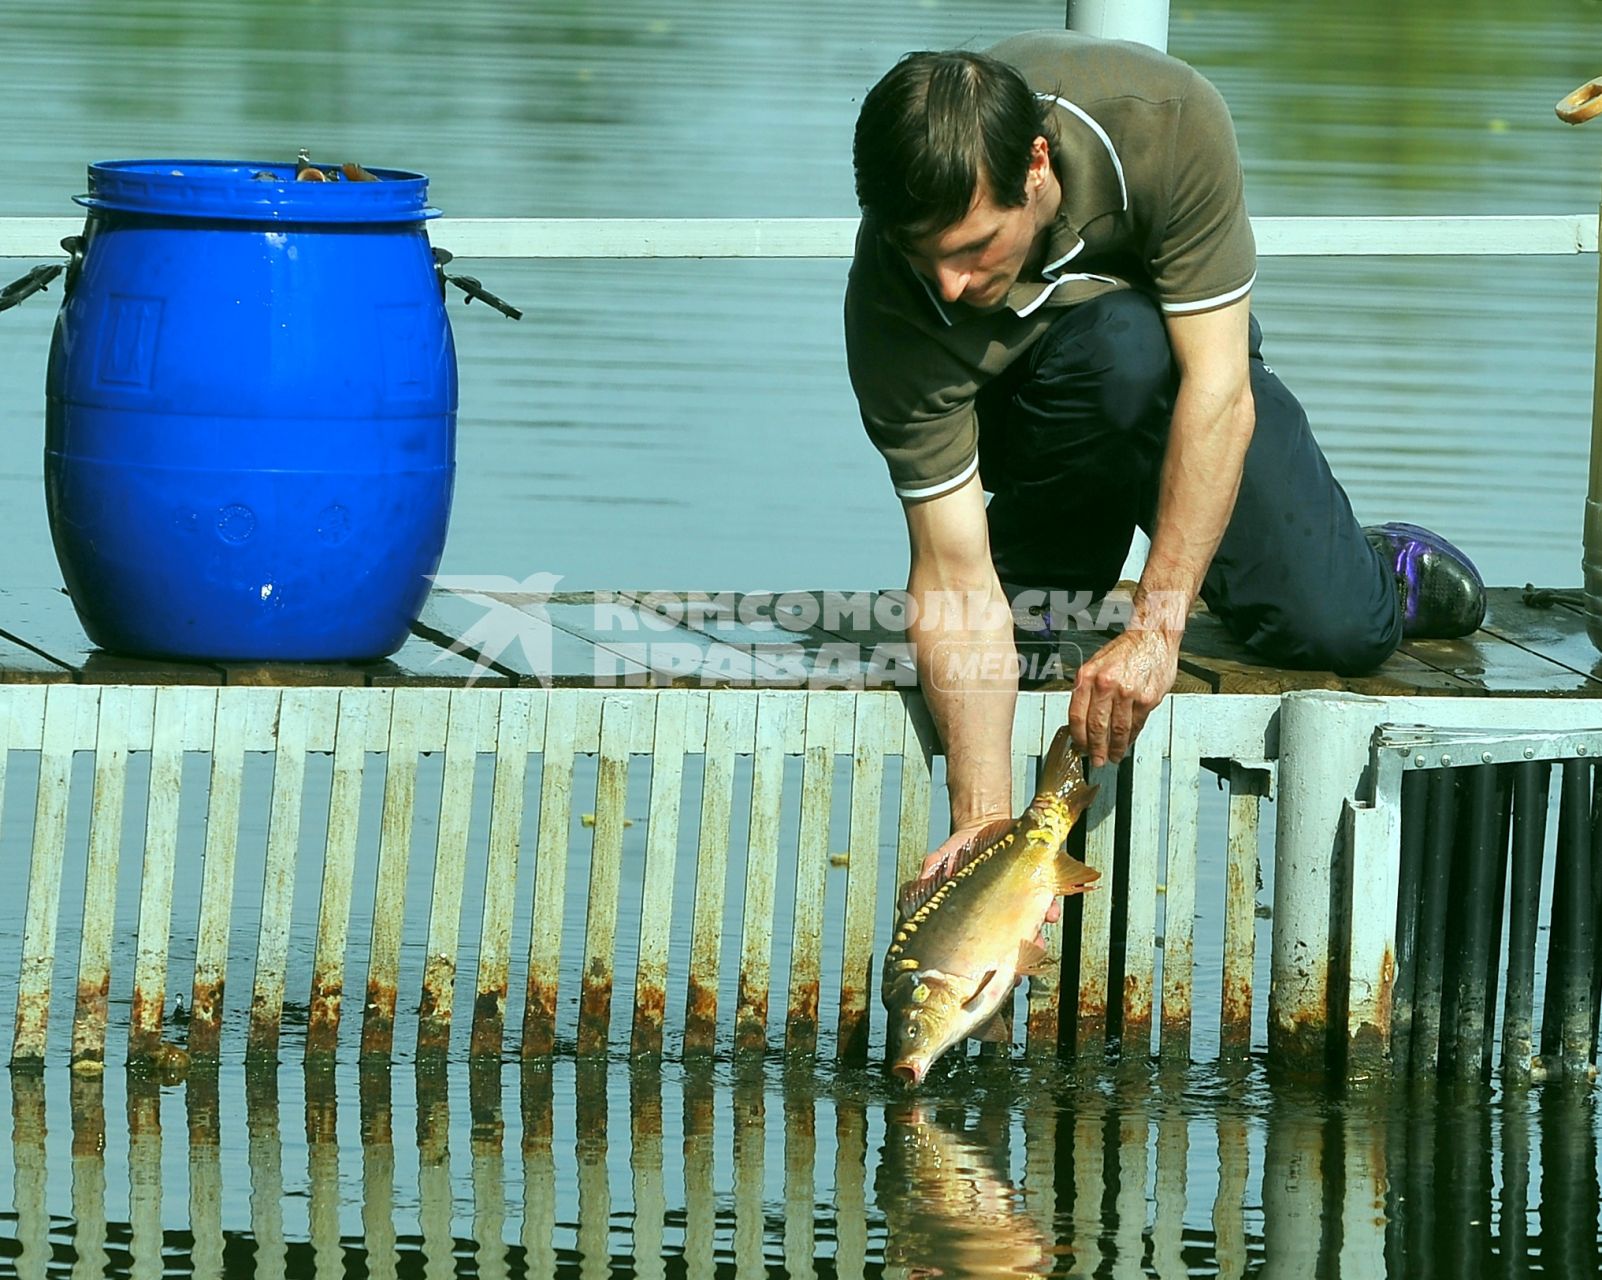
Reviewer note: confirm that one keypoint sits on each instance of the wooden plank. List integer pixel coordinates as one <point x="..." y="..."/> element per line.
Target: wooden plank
<point x="1140" y="945"/>
<point x="919" y="742"/>
<point x="1213" y="656"/>
<point x="339" y="871"/>
<point x="661" y="858"/>
<point x="409" y="713"/>
<point x="1101" y="827"/>
<point x="1240" y="918"/>
<point x="531" y="639"/>
<point x="1496" y="666"/>
<point x="450" y="875"/>
<point x="20" y="664"/>
<point x="1179" y="909"/>
<point x="148" y="1016"/>
<point x="256" y="675"/>
<point x="45" y="621"/>
<point x="606" y="874"/>
<point x="1558" y="633"/>
<point x="826" y="714"/>
<point x="862" y="875"/>
<point x="705" y="645"/>
<point x="422" y="660"/>
<point x="727" y="715"/>
<point x="775" y="712"/>
<point x="550" y="873"/>
<point x="241" y="717"/>
<point x="278" y="878"/>
<point x="100" y="876"/>
<point x="521" y="721"/>
<point x="63" y="705"/>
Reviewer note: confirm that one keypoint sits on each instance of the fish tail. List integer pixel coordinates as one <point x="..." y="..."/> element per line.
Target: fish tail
<point x="1062" y="777"/>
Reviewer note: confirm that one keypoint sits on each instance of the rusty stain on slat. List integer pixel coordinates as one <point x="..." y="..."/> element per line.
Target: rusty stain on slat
<point x="862" y="875"/>
<point x="148" y="1014"/>
<point x="606" y="868"/>
<point x="62" y="706"/>
<point x="823" y="725"/>
<point x="278" y="877"/>
<point x="774" y="713"/>
<point x="450" y="872"/>
<point x="1179" y="898"/>
<point x="1240" y="920"/>
<point x="711" y="870"/>
<point x="239" y="719"/>
<point x="661" y="857"/>
<point x="100" y="876"/>
<point x="1090" y="1031"/>
<point x="522" y="716"/>
<point x="339" y="868"/>
<point x="550" y="872"/>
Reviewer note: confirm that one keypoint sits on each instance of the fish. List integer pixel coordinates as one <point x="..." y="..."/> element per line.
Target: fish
<point x="967" y="931"/>
<point x="949" y="1209"/>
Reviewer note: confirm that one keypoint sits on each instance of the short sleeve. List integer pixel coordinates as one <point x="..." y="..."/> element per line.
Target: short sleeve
<point x="1204" y="255"/>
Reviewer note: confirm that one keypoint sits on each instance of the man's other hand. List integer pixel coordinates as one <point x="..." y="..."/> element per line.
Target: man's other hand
<point x="1118" y="688"/>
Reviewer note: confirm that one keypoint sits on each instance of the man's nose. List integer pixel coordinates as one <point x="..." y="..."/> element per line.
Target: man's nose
<point x="952" y="283"/>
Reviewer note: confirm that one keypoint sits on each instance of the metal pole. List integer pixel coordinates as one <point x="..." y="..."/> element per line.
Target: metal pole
<point x="1476" y="873"/>
<point x="1566" y="1027"/>
<point x="1143" y="20"/>
<point x="1531" y="785"/>
<point x="1432" y="922"/>
<point x="1493" y="958"/>
<point x="1415" y="821"/>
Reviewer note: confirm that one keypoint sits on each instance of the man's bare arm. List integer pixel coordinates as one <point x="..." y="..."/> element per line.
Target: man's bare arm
<point x="1212" y="426"/>
<point x="962" y="636"/>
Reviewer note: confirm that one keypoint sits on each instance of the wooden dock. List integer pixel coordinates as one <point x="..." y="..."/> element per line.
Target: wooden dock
<point x="1533" y="644"/>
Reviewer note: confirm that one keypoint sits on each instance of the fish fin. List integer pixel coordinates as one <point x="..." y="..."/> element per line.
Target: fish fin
<point x="1073" y="876"/>
<point x="994" y="1029"/>
<point x="979" y="990"/>
<point x="1062" y="776"/>
<point x="1032" y="960"/>
<point x="918" y="891"/>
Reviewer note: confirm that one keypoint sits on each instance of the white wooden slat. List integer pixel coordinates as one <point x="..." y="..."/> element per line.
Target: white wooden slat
<point x="265" y="1161"/>
<point x="1027" y="721"/>
<point x="538" y="1235"/>
<point x="1229" y="1206"/>
<point x="87" y="1106"/>
<point x="645" y="1137"/>
<point x="606" y="875"/>
<point x="661" y="857"/>
<point x="1240" y="923"/>
<point x="30" y="1177"/>
<point x="1095" y="947"/>
<point x="776" y="711"/>
<point x="1131" y="1190"/>
<point x="521" y="720"/>
<point x="826" y="714"/>
<point x="700" y="1196"/>
<point x="850" y="1191"/>
<point x="409" y="716"/>
<point x="175" y="706"/>
<point x="435" y="1199"/>
<point x="450" y="873"/>
<point x="862" y="873"/>
<point x="242" y="716"/>
<point x="378" y="1172"/>
<point x="624" y="238"/>
<point x="914" y="842"/>
<point x="550" y="872"/>
<point x="100" y="875"/>
<point x="1168" y="1221"/>
<point x="1179" y="909"/>
<point x="356" y="708"/>
<point x="145" y="1237"/>
<point x="63" y="705"/>
<point x="1145" y="838"/>
<point x="488" y="1177"/>
<point x="278" y="877"/>
<point x="800" y="1177"/>
<point x="727" y="716"/>
<point x="1044" y="1012"/>
<point x="205" y="1177"/>
<point x="750" y="1221"/>
<point x="322" y="1174"/>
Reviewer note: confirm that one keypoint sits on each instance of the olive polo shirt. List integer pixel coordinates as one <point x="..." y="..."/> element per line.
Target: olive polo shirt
<point x="1151" y="199"/>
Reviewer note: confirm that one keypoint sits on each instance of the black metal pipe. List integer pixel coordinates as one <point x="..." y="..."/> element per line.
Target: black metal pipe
<point x="1493" y="959"/>
<point x="1566" y="1026"/>
<point x="1596" y="903"/>
<point x="1410" y="875"/>
<point x="1432" y="922"/>
<point x="1531" y="788"/>
<point x="1473" y="884"/>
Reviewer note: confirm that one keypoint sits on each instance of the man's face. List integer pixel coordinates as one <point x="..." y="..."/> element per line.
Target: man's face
<point x="978" y="259"/>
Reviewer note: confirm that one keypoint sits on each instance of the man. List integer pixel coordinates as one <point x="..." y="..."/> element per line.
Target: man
<point x="1050" y="302"/>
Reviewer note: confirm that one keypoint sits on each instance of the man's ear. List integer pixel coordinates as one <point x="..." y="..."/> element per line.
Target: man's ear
<point x="1039" y="159"/>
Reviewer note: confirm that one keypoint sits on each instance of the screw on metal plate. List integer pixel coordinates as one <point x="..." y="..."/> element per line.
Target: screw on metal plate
<point x="1579" y="749"/>
<point x="1529" y="753"/>
<point x="1419" y="760"/>
<point x="1486" y="757"/>
<point x="1446" y="760"/>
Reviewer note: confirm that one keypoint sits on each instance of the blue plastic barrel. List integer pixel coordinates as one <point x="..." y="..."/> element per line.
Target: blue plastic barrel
<point x="251" y="412"/>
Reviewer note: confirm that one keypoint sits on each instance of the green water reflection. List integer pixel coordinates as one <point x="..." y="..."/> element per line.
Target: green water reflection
<point x="557" y="1169"/>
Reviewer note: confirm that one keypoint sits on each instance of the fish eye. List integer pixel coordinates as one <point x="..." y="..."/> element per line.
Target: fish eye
<point x="912" y="1031"/>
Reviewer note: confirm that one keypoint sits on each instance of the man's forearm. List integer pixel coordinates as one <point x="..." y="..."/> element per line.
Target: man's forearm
<point x="1200" y="479"/>
<point x="967" y="667"/>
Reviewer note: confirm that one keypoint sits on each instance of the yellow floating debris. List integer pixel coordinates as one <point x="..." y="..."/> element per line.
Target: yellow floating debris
<point x="588" y="819"/>
<point x="839" y="859"/>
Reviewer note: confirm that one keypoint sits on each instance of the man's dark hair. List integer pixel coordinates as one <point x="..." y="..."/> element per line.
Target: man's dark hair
<point x="932" y="128"/>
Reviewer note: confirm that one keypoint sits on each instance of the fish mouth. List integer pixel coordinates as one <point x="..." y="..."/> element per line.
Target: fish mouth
<point x="910" y="1073"/>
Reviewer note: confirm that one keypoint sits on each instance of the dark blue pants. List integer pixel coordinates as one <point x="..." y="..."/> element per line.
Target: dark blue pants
<point x="1071" y="446"/>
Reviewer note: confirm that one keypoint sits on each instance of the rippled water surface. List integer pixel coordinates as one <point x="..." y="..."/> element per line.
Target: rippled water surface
<point x="688" y="424"/>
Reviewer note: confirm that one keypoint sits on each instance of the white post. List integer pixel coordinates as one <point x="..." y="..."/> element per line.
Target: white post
<point x="1324" y="741"/>
<point x="1145" y="21"/>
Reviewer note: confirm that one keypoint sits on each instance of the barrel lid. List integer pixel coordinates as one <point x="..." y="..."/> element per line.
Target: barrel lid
<point x="253" y="191"/>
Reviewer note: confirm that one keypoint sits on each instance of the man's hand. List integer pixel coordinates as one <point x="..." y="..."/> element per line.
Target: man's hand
<point x="1118" y="688"/>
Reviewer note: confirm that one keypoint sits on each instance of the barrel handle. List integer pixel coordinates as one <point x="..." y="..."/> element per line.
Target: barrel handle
<point x="470" y="286"/>
<point x="1581" y="105"/>
<point x="38" y="279"/>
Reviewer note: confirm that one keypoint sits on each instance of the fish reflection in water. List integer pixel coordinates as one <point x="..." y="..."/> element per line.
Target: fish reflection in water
<point x="949" y="1208"/>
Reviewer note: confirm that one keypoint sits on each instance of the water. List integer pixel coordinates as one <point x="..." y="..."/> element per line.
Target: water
<point x="688" y="424"/>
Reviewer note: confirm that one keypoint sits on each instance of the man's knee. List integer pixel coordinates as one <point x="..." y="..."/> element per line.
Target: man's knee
<point x="1314" y="635"/>
<point x="1108" y="358"/>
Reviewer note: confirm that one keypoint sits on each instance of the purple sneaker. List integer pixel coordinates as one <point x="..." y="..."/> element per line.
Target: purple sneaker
<point x="1442" y="594"/>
